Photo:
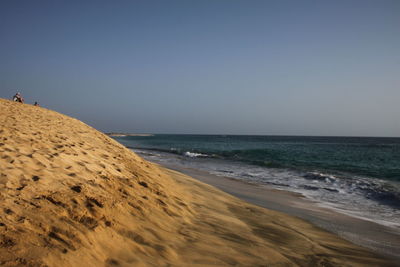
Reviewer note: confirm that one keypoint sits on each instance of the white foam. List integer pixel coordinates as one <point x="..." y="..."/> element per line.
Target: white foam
<point x="194" y="155"/>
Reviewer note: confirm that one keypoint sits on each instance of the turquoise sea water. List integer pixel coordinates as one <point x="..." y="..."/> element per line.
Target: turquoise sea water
<point x="356" y="174"/>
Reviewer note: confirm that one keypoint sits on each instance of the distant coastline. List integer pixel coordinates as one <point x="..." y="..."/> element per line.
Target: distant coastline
<point x="127" y="134"/>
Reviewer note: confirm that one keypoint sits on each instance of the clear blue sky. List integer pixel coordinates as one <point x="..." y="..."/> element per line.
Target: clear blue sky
<point x="213" y="67"/>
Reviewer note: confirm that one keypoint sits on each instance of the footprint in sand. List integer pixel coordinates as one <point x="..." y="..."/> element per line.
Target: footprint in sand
<point x="6" y="241"/>
<point x="89" y="222"/>
<point x="8" y="211"/>
<point x="144" y="184"/>
<point x="76" y="188"/>
<point x="90" y="202"/>
<point x="112" y="262"/>
<point x="21" y="187"/>
<point x="105" y="156"/>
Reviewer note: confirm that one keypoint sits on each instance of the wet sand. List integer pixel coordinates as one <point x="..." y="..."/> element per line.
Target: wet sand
<point x="379" y="238"/>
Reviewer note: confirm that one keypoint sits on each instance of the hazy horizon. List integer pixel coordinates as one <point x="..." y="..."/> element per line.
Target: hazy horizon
<point x="296" y="68"/>
<point x="278" y="135"/>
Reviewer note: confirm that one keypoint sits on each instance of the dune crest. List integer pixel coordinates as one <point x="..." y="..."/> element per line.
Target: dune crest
<point x="72" y="196"/>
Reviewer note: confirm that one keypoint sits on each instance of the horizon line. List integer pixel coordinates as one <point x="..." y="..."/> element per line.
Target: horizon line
<point x="210" y="134"/>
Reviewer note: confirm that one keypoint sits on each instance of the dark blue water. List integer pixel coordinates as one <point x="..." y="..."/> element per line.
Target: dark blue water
<point x="360" y="172"/>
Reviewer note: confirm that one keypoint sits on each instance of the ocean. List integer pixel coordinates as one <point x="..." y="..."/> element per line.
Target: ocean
<point x="358" y="176"/>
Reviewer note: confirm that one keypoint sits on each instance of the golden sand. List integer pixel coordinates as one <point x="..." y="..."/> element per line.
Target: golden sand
<point x="72" y="196"/>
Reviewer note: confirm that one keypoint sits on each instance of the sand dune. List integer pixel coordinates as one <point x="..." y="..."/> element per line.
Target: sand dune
<point x="71" y="196"/>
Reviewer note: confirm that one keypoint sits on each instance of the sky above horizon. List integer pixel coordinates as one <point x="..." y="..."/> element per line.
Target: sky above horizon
<point x="208" y="67"/>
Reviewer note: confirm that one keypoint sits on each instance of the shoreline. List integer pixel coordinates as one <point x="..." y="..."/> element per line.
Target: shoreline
<point x="378" y="238"/>
<point x="366" y="197"/>
<point x="126" y="134"/>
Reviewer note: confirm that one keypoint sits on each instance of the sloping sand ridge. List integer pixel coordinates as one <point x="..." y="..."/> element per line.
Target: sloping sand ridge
<point x="71" y="196"/>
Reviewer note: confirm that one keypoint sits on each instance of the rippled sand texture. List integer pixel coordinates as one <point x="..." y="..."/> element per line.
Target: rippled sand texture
<point x="71" y="196"/>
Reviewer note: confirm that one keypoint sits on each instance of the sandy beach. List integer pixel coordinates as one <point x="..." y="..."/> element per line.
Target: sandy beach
<point x="72" y="196"/>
